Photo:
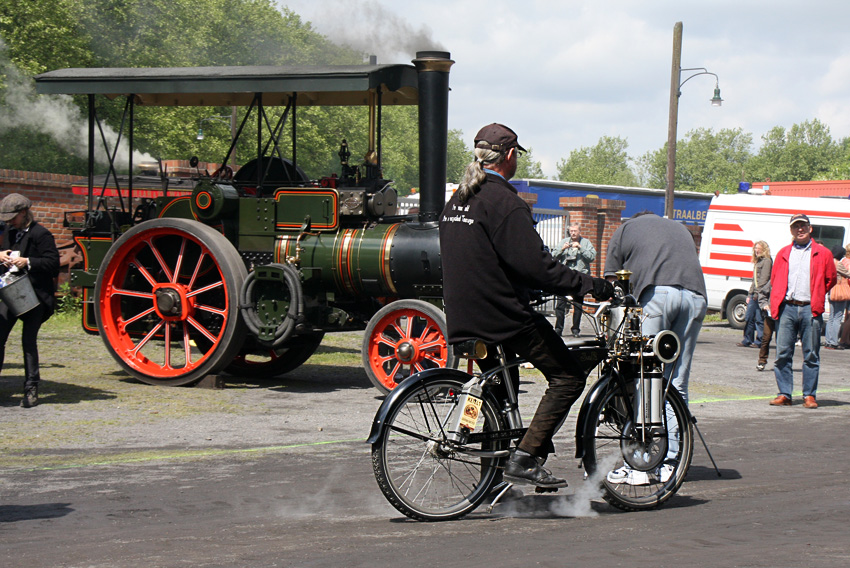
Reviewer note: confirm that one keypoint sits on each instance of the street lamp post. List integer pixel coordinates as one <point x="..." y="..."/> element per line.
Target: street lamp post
<point x="675" y="92"/>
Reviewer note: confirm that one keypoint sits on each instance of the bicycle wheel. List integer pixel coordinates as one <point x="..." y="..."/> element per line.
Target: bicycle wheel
<point x="611" y="439"/>
<point x="418" y="472"/>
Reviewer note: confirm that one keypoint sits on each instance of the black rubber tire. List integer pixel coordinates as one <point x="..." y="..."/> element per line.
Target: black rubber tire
<point x="280" y="361"/>
<point x="603" y="443"/>
<point x="416" y="323"/>
<point x="421" y="479"/>
<point x="736" y="310"/>
<point x="205" y="267"/>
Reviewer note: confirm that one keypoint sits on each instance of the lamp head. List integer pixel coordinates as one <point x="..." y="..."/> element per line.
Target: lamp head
<point x="716" y="100"/>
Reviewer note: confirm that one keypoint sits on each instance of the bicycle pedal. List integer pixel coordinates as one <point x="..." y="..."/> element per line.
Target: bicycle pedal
<point x="538" y="489"/>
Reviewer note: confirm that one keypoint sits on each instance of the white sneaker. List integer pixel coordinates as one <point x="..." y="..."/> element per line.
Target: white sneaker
<point x="628" y="475"/>
<point x="665" y="472"/>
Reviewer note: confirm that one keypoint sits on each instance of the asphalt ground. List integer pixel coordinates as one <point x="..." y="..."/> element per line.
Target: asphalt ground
<point x="275" y="473"/>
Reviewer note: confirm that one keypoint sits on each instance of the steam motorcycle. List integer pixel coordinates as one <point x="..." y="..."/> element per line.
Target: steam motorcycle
<point x="441" y="439"/>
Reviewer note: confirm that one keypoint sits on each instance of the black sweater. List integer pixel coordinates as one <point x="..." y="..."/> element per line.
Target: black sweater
<point x="492" y="258"/>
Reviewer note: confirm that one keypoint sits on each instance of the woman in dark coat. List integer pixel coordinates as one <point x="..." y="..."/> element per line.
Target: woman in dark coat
<point x="27" y="247"/>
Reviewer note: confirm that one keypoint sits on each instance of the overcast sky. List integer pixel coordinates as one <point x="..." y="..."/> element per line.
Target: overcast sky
<point x="564" y="73"/>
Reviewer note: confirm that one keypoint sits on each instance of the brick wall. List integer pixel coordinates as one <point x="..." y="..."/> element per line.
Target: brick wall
<point x="598" y="219"/>
<point x="51" y="197"/>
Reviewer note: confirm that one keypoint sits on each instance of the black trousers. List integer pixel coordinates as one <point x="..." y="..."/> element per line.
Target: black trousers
<point x="561" y="313"/>
<point x="546" y="351"/>
<point x="32" y="321"/>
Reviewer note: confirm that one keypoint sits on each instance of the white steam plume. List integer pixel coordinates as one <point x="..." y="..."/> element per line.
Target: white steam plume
<point x="367" y="26"/>
<point x="55" y="115"/>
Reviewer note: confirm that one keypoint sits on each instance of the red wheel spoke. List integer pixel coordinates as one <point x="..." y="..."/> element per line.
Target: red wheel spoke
<point x="211" y="309"/>
<point x="145" y="339"/>
<point x="396" y="368"/>
<point x="179" y="262"/>
<point x="381" y="360"/>
<point x="167" y="363"/>
<point x="137" y="317"/>
<point x="162" y="264"/>
<point x="132" y="293"/>
<point x="187" y="345"/>
<point x="194" y="323"/>
<point x="386" y="341"/>
<point x="206" y="288"/>
<point x="197" y="269"/>
<point x="144" y="271"/>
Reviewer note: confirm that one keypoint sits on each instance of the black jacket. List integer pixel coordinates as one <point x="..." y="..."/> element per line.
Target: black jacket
<point x="39" y="247"/>
<point x="492" y="258"/>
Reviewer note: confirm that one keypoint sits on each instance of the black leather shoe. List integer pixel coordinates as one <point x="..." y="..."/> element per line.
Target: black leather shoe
<point x="30" y="397"/>
<point x="525" y="470"/>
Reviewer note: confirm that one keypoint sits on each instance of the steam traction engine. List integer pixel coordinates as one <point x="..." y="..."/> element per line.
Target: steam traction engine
<point x="246" y="272"/>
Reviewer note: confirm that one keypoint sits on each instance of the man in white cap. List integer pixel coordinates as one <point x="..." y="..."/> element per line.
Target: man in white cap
<point x="27" y="247"/>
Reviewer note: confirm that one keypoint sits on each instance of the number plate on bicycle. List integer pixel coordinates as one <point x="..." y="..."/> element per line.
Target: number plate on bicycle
<point x="471" y="408"/>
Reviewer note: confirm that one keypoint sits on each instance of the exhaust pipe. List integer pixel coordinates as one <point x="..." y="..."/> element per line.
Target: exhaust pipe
<point x="433" y="68"/>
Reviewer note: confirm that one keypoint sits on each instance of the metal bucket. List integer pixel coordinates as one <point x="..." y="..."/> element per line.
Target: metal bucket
<point x="19" y="295"/>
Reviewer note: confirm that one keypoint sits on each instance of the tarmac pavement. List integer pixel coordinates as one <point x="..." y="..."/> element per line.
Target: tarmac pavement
<point x="253" y="490"/>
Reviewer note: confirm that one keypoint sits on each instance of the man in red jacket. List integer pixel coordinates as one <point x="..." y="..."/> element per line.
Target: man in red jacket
<point x="803" y="273"/>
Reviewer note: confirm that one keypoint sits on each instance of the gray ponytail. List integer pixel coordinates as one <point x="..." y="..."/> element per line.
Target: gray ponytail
<point x="474" y="174"/>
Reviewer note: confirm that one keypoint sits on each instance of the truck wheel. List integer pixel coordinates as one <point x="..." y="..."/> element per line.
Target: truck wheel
<point x="736" y="311"/>
<point x="402" y="338"/>
<point x="268" y="363"/>
<point x="167" y="301"/>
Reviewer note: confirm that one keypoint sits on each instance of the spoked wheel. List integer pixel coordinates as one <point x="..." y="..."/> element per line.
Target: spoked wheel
<point x="419" y="473"/>
<point x="167" y="293"/>
<point x="659" y="462"/>
<point x="402" y="338"/>
<point x="268" y="363"/>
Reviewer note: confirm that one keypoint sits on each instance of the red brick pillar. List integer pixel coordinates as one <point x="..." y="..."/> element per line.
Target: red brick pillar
<point x="597" y="219"/>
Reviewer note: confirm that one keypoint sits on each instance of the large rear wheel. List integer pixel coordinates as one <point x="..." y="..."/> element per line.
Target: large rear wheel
<point x="402" y="338"/>
<point x="419" y="472"/>
<point x="167" y="296"/>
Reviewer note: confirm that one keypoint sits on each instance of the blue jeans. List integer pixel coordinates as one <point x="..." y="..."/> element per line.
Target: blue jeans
<point x="793" y="320"/>
<point x="833" y="326"/>
<point x="755" y="322"/>
<point x="680" y="311"/>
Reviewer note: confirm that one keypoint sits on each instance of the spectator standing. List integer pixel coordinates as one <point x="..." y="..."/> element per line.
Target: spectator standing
<point x="753" y="330"/>
<point x="576" y="252"/>
<point x="838" y="297"/>
<point x="763" y="299"/>
<point x="803" y="273"/>
<point x="668" y="283"/>
<point x="27" y="246"/>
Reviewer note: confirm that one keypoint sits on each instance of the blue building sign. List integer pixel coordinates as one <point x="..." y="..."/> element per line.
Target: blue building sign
<point x="688" y="206"/>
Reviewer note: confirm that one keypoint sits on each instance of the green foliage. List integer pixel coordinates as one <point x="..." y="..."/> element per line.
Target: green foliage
<point x="804" y="152"/>
<point x="528" y="168"/>
<point x="606" y="163"/>
<point x="705" y="161"/>
<point x="458" y="156"/>
<point x="69" y="301"/>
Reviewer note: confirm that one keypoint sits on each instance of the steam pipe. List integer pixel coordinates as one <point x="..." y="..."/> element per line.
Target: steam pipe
<point x="433" y="68"/>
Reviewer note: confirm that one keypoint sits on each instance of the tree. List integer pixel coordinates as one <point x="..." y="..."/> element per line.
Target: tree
<point x="606" y="163"/>
<point x="804" y="152"/>
<point x="528" y="168"/>
<point x="458" y="156"/>
<point x="705" y="161"/>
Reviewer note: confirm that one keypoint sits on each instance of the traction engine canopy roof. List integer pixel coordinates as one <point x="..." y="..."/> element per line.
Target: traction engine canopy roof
<point x="348" y="85"/>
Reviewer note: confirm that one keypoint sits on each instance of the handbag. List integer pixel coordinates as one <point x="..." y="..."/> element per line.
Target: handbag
<point x="841" y="291"/>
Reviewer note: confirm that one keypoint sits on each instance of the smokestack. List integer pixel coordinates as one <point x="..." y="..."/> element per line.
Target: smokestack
<point x="433" y="68"/>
